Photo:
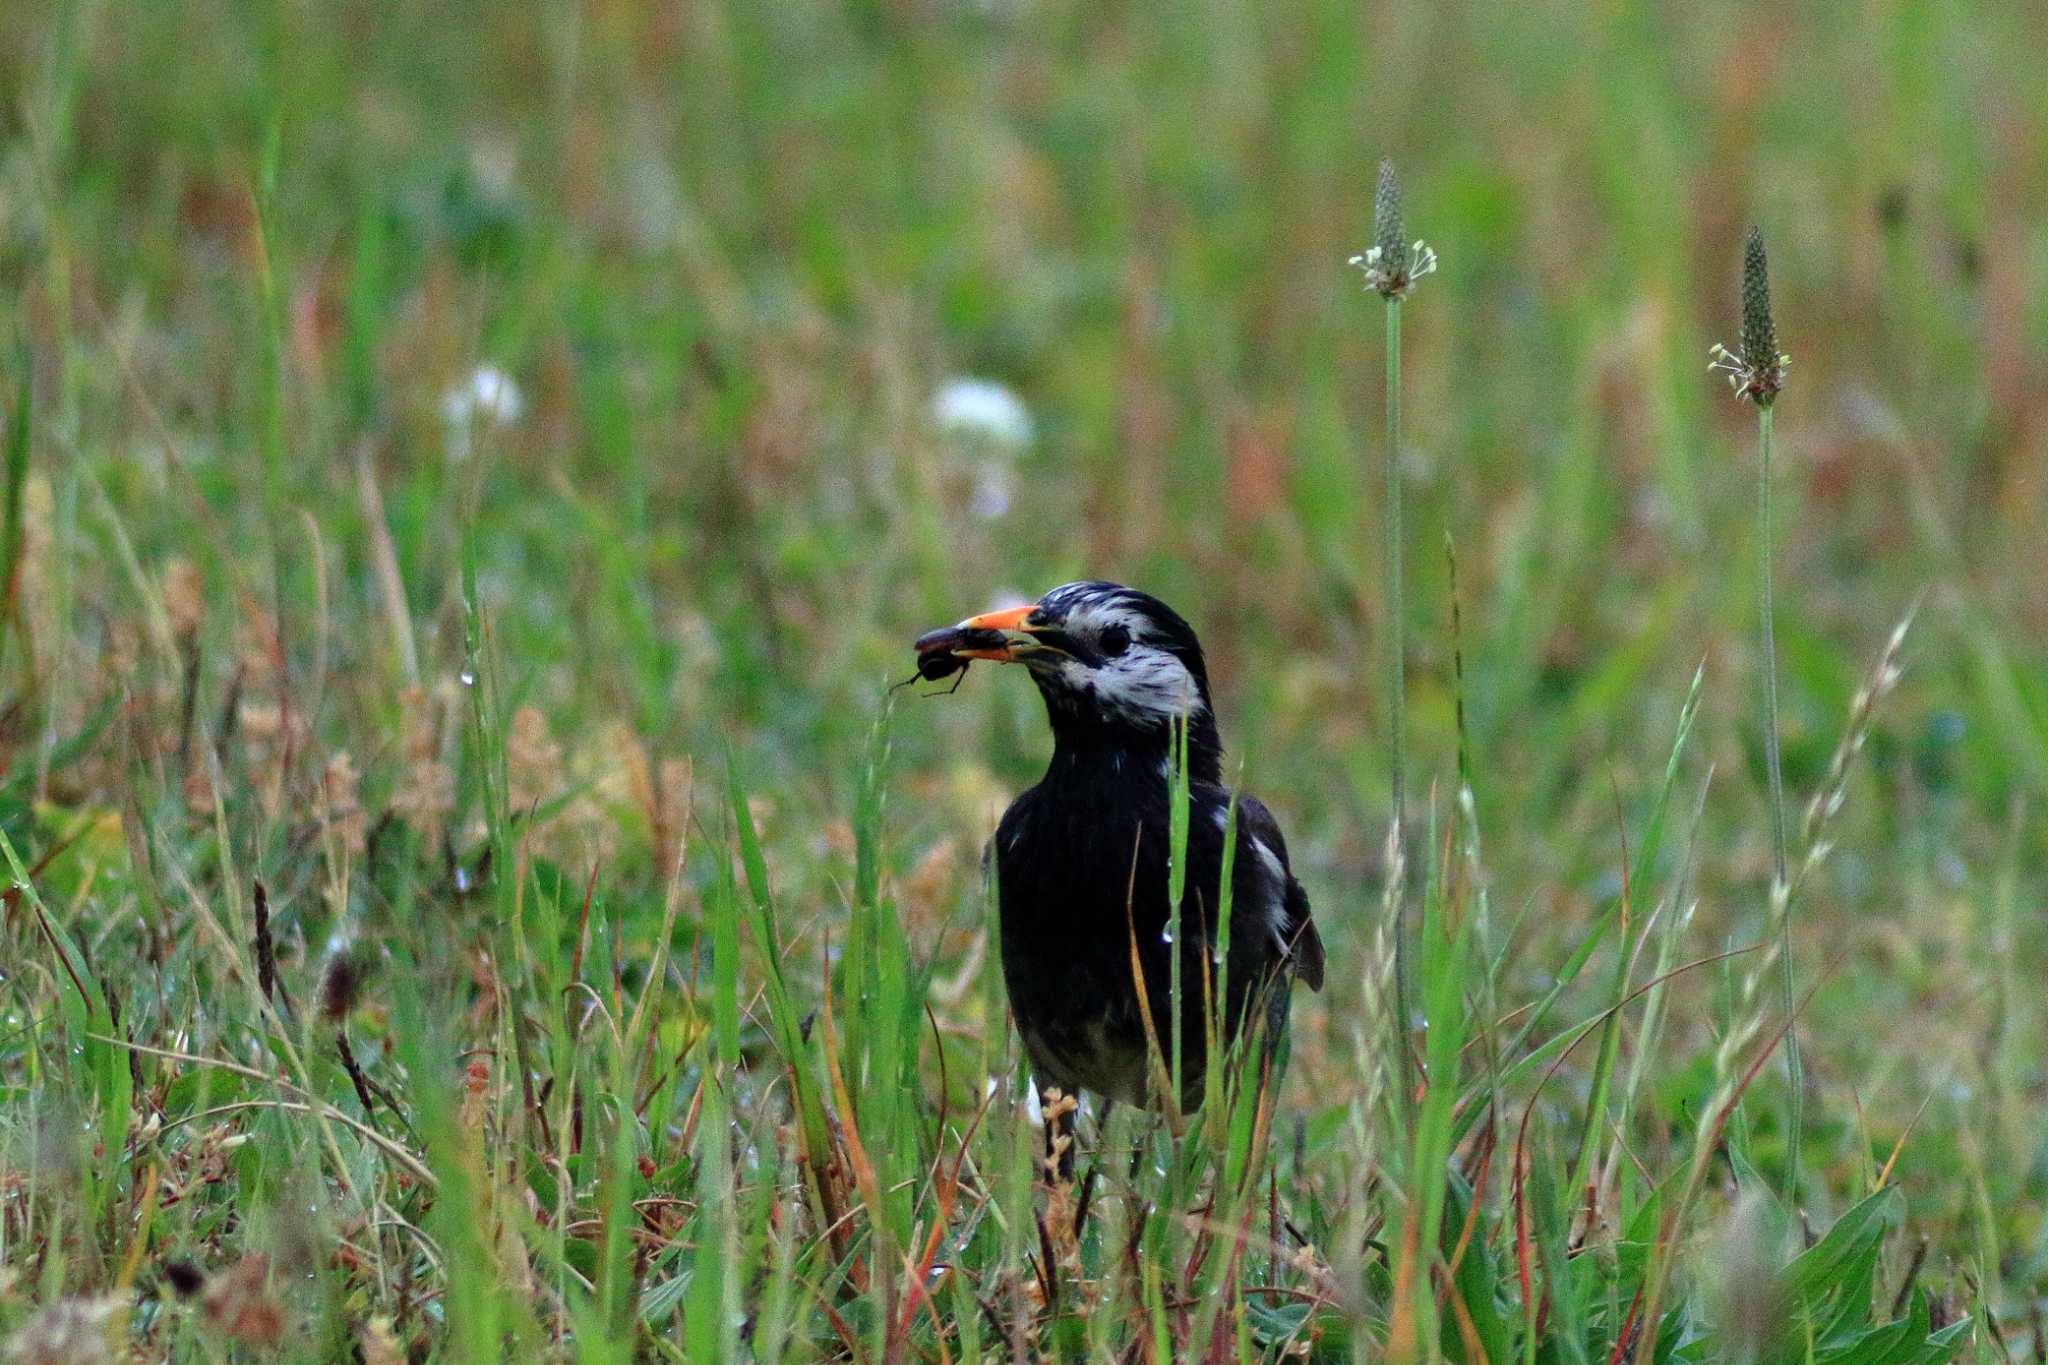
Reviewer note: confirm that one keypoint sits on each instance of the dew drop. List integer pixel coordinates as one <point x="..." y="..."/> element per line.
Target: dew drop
<point x="1166" y="936"/>
<point x="467" y="678"/>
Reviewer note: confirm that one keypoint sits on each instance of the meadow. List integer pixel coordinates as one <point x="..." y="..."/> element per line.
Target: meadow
<point x="472" y="474"/>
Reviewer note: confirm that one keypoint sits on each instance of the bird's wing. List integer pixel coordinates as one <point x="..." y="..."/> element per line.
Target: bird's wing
<point x="1304" y="944"/>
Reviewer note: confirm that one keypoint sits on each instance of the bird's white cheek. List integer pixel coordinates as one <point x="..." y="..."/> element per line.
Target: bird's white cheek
<point x="1152" y="686"/>
<point x="1076" y="676"/>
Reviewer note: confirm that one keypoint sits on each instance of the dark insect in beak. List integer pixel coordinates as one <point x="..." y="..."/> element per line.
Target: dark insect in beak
<point x="937" y="660"/>
<point x="937" y="668"/>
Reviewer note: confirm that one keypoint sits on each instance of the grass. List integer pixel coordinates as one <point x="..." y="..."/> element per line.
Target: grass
<point x="473" y="895"/>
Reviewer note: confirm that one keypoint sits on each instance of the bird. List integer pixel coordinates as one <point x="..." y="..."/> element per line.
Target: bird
<point x="1080" y="859"/>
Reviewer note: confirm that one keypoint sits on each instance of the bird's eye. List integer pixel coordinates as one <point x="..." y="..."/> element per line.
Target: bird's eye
<point x="1115" y="640"/>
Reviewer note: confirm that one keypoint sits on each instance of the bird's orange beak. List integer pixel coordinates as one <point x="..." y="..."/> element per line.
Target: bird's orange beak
<point x="994" y="635"/>
<point x="1008" y="623"/>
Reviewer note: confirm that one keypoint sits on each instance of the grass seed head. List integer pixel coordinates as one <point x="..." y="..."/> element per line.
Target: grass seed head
<point x="239" y="1304"/>
<point x="380" y="1344"/>
<point x="184" y="1278"/>
<point x="1758" y="371"/>
<point x="1759" y="337"/>
<point x="1386" y="221"/>
<point x="1394" y="264"/>
<point x="341" y="983"/>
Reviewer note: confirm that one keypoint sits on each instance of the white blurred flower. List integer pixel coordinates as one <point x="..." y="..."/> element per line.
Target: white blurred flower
<point x="989" y="425"/>
<point x="70" y="1331"/>
<point x="982" y="408"/>
<point x="1748" y="1292"/>
<point x="487" y="397"/>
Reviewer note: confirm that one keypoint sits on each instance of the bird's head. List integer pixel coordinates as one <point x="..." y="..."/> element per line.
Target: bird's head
<point x="1117" y="667"/>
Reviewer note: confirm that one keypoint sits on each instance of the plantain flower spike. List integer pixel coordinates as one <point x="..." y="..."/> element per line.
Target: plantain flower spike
<point x="1393" y="265"/>
<point x="1758" y="371"/>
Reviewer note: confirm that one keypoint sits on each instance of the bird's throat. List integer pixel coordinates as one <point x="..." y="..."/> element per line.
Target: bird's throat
<point x="1093" y="748"/>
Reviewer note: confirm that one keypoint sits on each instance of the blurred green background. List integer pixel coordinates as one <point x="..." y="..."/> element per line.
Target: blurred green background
<point x="673" y="303"/>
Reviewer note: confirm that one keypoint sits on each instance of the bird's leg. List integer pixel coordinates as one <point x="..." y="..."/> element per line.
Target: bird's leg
<point x="1094" y="1167"/>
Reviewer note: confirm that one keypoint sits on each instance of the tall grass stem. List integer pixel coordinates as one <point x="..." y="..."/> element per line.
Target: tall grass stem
<point x="1780" y="882"/>
<point x="1397" y="683"/>
<point x="1397" y="689"/>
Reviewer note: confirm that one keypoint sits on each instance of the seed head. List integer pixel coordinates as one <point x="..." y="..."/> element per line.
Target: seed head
<point x="240" y="1303"/>
<point x="341" y="983"/>
<point x="184" y="1277"/>
<point x="1759" y="337"/>
<point x="1386" y="220"/>
<point x="1393" y="265"/>
<point x="1758" y="373"/>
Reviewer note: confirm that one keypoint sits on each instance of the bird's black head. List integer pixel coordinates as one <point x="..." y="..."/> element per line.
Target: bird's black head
<point x="1117" y="667"/>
